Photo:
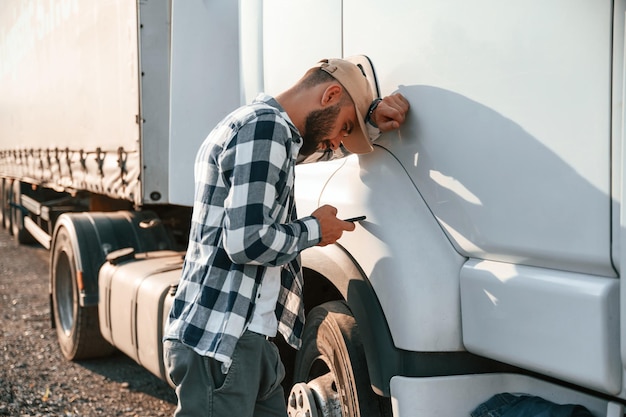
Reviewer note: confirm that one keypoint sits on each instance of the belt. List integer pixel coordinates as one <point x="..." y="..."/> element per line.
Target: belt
<point x="268" y="338"/>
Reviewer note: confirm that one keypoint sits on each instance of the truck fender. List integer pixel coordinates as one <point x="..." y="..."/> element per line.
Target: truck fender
<point x="94" y="235"/>
<point x="341" y="270"/>
<point x="384" y="360"/>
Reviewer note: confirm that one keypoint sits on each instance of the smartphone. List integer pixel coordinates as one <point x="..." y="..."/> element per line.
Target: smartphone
<point x="355" y="219"/>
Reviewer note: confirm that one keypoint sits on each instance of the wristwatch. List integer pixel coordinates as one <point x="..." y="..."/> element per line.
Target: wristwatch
<point x="371" y="111"/>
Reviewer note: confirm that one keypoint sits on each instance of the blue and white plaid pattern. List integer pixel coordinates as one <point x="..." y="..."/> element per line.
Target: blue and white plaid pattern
<point x="244" y="227"/>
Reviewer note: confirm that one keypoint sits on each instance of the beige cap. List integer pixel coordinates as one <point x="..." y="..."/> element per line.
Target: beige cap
<point x="353" y="80"/>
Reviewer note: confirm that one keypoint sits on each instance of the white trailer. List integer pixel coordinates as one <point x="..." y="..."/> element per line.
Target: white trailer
<point x="490" y="260"/>
<point x="103" y="106"/>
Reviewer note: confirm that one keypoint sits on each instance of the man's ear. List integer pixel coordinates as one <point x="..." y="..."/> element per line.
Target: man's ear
<point x="332" y="94"/>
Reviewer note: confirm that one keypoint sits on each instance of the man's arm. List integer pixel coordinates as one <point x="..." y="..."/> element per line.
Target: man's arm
<point x="255" y="165"/>
<point x="390" y="112"/>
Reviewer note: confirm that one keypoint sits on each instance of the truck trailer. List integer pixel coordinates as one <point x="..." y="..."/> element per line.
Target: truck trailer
<point x="490" y="258"/>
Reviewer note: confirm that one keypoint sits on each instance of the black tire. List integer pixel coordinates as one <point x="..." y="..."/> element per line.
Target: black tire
<point x="2" y="202"/>
<point x="19" y="232"/>
<point x="7" y="192"/>
<point x="78" y="330"/>
<point x="332" y="352"/>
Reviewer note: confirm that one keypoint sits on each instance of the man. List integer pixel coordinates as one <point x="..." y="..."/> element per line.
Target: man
<point x="241" y="282"/>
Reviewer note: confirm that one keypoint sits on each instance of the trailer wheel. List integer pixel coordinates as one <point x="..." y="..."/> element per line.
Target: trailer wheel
<point x="18" y="230"/>
<point x="2" y="200"/>
<point x="332" y="363"/>
<point x="6" y="201"/>
<point x="78" y="330"/>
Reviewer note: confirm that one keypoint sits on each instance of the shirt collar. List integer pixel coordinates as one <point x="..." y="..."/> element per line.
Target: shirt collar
<point x="271" y="101"/>
<point x="296" y="136"/>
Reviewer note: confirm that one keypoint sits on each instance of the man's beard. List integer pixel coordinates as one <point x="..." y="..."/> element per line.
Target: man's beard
<point x="317" y="127"/>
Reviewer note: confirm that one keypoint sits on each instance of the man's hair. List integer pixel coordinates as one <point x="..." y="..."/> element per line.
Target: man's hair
<point x="316" y="76"/>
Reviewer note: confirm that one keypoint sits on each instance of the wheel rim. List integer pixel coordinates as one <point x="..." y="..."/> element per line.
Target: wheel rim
<point x="332" y="364"/>
<point x="64" y="290"/>
<point x="301" y="402"/>
<point x="317" y="398"/>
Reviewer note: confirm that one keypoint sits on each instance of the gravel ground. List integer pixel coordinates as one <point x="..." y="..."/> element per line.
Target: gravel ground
<point x="35" y="378"/>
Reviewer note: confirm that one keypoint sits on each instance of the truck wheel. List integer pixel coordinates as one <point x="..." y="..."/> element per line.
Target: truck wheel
<point x="2" y="200"/>
<point x="78" y="330"/>
<point x="6" y="208"/>
<point x="332" y="363"/>
<point x="18" y="230"/>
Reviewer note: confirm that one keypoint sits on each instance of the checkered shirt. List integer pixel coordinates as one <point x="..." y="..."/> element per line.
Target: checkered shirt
<point x="244" y="226"/>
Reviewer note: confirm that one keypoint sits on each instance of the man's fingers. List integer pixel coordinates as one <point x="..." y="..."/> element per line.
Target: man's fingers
<point x="391" y="112"/>
<point x="348" y="226"/>
<point x="331" y="227"/>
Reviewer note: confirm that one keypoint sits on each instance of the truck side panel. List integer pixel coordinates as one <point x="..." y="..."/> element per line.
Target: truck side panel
<point x="509" y="138"/>
<point x="558" y="323"/>
<point x="204" y="83"/>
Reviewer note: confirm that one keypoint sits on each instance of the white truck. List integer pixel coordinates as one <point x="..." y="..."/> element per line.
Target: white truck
<point x="490" y="260"/>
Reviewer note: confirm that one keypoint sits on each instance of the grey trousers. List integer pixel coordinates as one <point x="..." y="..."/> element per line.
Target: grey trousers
<point x="250" y="388"/>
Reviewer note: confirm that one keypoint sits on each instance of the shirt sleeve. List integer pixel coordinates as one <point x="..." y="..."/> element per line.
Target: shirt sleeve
<point x="258" y="173"/>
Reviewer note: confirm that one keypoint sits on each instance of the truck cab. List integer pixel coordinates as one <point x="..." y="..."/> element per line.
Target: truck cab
<point x="493" y="242"/>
